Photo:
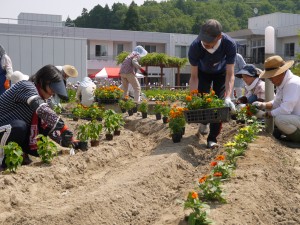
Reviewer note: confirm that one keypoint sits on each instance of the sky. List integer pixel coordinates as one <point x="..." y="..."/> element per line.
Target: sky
<point x="71" y="8"/>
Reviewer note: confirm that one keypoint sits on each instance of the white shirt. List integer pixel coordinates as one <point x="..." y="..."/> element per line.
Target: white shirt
<point x="87" y="94"/>
<point x="287" y="100"/>
<point x="7" y="66"/>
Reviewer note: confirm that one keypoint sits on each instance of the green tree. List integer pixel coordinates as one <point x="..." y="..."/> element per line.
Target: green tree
<point x="132" y="18"/>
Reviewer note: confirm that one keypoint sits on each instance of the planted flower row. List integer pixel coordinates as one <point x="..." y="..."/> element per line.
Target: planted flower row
<point x="209" y="186"/>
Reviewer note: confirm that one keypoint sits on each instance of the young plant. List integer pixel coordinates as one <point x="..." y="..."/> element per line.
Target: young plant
<point x="46" y="148"/>
<point x="77" y="112"/>
<point x="95" y="112"/>
<point x="110" y="121"/>
<point x="83" y="132"/>
<point x="13" y="156"/>
<point x="220" y="165"/>
<point x="198" y="216"/>
<point x="95" y="129"/>
<point x="143" y="107"/>
<point x="119" y="121"/>
<point x="129" y="104"/>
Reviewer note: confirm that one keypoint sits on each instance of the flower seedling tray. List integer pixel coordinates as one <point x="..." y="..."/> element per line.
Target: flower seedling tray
<point x="211" y="115"/>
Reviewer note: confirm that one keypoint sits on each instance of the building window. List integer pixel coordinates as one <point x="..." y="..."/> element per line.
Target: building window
<point x="150" y="48"/>
<point x="101" y="50"/>
<point x="120" y="48"/>
<point x="181" y="51"/>
<point x="289" y="49"/>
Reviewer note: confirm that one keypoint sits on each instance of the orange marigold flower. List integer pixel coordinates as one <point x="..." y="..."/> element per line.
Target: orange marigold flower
<point x="212" y="92"/>
<point x="202" y="179"/>
<point x="220" y="157"/>
<point x="194" y="92"/>
<point x="209" y="100"/>
<point x="194" y="195"/>
<point x="188" y="98"/>
<point x="217" y="174"/>
<point x="213" y="163"/>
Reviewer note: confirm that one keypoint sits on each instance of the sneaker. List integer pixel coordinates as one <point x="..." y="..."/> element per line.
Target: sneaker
<point x="203" y="129"/>
<point x="212" y="144"/>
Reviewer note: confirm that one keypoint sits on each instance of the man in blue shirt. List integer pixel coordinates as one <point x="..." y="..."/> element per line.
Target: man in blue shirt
<point x="212" y="56"/>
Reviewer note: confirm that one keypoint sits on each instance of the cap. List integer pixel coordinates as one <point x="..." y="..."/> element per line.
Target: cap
<point x="59" y="88"/>
<point x="70" y="70"/>
<point x="248" y="69"/>
<point x="210" y="30"/>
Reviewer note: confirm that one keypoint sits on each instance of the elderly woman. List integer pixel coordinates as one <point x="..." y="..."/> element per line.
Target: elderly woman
<point x="128" y="71"/>
<point x="25" y="112"/>
<point x="255" y="87"/>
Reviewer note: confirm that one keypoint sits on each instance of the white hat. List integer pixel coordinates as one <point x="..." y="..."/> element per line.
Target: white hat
<point x="140" y="50"/>
<point x="18" y="76"/>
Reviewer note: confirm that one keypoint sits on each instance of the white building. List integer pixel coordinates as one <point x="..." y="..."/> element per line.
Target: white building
<point x="44" y="39"/>
<point x="252" y="40"/>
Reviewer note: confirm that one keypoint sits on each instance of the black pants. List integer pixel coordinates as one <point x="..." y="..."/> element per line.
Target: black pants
<point x="217" y="83"/>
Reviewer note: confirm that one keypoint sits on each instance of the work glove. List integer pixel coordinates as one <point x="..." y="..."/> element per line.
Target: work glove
<point x="144" y="72"/>
<point x="262" y="114"/>
<point x="259" y="105"/>
<point x="230" y="104"/>
<point x="66" y="138"/>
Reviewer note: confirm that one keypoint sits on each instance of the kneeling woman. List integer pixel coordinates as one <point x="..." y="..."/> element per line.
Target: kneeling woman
<point x="255" y="87"/>
<point x="25" y="113"/>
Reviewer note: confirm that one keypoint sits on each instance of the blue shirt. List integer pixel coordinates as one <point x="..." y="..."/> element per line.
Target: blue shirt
<point x="213" y="63"/>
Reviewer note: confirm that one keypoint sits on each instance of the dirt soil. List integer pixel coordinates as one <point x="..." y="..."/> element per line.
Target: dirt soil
<point x="139" y="176"/>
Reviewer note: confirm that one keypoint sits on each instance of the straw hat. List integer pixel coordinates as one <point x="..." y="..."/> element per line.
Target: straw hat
<point x="275" y="66"/>
<point x="70" y="71"/>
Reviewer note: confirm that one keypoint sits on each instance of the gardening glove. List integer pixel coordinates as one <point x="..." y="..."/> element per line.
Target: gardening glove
<point x="260" y="114"/>
<point x="66" y="138"/>
<point x="230" y="104"/>
<point x="259" y="105"/>
<point x="143" y="72"/>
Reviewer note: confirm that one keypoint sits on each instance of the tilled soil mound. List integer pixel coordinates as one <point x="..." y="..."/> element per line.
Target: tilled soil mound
<point x="139" y="176"/>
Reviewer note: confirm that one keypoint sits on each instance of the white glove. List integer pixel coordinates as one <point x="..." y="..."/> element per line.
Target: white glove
<point x="259" y="105"/>
<point x="230" y="104"/>
<point x="260" y="114"/>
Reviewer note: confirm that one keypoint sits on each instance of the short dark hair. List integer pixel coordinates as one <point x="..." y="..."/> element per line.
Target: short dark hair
<point x="46" y="75"/>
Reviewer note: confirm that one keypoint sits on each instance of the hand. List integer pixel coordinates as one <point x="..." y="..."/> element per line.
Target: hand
<point x="259" y="105"/>
<point x="230" y="104"/>
<point x="144" y="72"/>
<point x="66" y="138"/>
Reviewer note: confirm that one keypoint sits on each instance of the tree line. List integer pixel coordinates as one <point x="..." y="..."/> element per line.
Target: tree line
<point x="180" y="16"/>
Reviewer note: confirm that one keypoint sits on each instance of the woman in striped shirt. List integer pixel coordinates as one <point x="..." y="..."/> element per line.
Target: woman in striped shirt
<point x="25" y="113"/>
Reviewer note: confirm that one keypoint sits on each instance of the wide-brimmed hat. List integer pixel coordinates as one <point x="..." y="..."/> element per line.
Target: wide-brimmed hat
<point x="70" y="71"/>
<point x="210" y="31"/>
<point x="275" y="66"/>
<point x="249" y="70"/>
<point x="18" y="76"/>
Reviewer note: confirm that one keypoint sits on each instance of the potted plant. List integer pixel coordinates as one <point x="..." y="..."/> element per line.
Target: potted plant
<point x="143" y="108"/>
<point x="46" y="148"/>
<point x="129" y="105"/>
<point x="119" y="123"/>
<point x="13" y="156"/>
<point x="110" y="123"/>
<point x="83" y="136"/>
<point x="158" y="109"/>
<point x="77" y="112"/>
<point x="122" y="105"/>
<point x="95" y="129"/>
<point x="108" y="94"/>
<point x="177" y="123"/>
<point x="95" y="112"/>
<point x="165" y="112"/>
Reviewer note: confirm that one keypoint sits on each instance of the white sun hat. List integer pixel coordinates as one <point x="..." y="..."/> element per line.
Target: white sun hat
<point x="18" y="76"/>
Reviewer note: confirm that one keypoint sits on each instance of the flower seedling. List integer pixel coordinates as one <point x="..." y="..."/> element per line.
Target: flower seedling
<point x="13" y="156"/>
<point x="83" y="132"/>
<point x="94" y="130"/>
<point x="46" y="148"/>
